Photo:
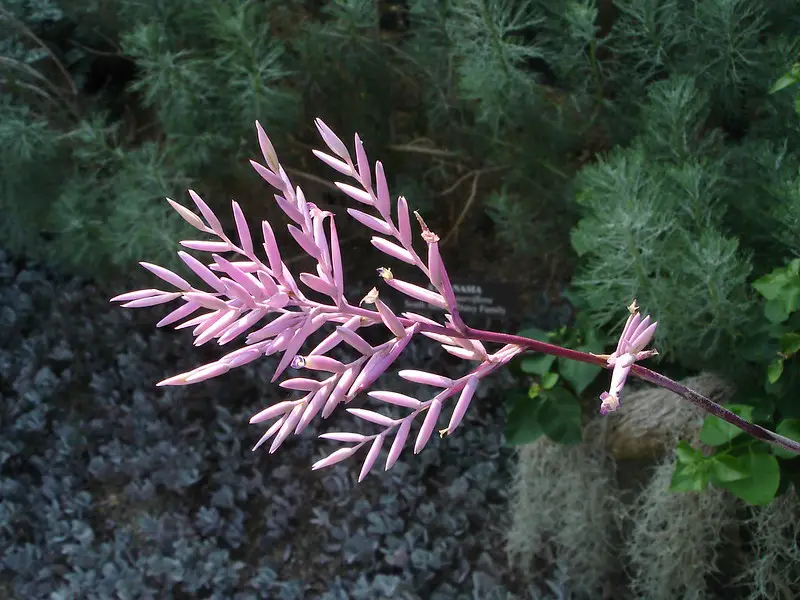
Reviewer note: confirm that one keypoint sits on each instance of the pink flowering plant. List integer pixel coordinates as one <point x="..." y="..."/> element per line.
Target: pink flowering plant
<point x="259" y="298"/>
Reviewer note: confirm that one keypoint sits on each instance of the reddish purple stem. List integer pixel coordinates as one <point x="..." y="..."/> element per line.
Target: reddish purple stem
<point x="644" y="373"/>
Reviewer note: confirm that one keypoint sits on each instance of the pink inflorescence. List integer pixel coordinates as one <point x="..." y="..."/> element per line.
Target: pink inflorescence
<point x="266" y="301"/>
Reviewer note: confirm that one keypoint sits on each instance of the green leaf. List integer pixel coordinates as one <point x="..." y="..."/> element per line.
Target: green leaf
<point x="763" y="409"/>
<point x="522" y="423"/>
<point x="789" y="428"/>
<point x="686" y="454"/>
<point x="716" y="432"/>
<point x="537" y="365"/>
<point x="783" y="82"/>
<point x="726" y="468"/>
<point x="790" y="343"/>
<point x="579" y="375"/>
<point x="560" y="416"/>
<point x="761" y="349"/>
<point x="781" y="288"/>
<point x="549" y="380"/>
<point x="534" y="390"/>
<point x="784" y="485"/>
<point x="534" y="333"/>
<point x="763" y="481"/>
<point x="775" y="311"/>
<point x="689" y="478"/>
<point x="771" y="284"/>
<point x="791" y="297"/>
<point x="774" y="370"/>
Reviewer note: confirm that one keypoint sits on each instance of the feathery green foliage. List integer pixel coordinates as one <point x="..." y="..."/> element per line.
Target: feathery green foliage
<point x="512" y="97"/>
<point x="653" y="230"/>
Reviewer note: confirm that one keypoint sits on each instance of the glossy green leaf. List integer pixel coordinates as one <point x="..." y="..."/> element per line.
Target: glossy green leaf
<point x="775" y="370"/>
<point x="686" y="454"/>
<point x="689" y="478"/>
<point x="781" y="288"/>
<point x="775" y="311"/>
<point x="538" y="364"/>
<point x="763" y="481"/>
<point x="771" y="284"/>
<point x="560" y="416"/>
<point x="763" y="409"/>
<point x="535" y="333"/>
<point x="785" y="81"/>
<point x="579" y="375"/>
<point x="726" y="468"/>
<point x="790" y="343"/>
<point x="549" y="380"/>
<point x="716" y="432"/>
<point x="791" y="298"/>
<point x="522" y="423"/>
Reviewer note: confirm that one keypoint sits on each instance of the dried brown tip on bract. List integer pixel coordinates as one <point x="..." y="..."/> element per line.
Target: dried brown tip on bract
<point x="427" y="234"/>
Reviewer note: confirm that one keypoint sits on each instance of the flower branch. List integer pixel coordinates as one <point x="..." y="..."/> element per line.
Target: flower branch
<point x="248" y="292"/>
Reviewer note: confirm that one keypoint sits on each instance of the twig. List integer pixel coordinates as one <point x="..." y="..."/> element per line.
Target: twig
<point x="115" y="54"/>
<point x="423" y="150"/>
<point x="457" y="183"/>
<point x="473" y="192"/>
<point x="314" y="178"/>
<point x="475" y="174"/>
<point x="28" y="86"/>
<point x="16" y="64"/>
<point x="44" y="46"/>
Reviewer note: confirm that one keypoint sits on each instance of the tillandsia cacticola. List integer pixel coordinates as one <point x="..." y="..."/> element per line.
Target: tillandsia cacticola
<point x="262" y="298"/>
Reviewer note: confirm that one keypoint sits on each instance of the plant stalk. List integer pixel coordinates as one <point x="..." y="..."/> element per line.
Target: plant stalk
<point x="645" y="374"/>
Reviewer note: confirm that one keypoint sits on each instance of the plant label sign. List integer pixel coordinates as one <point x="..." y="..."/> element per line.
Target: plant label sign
<point x="483" y="299"/>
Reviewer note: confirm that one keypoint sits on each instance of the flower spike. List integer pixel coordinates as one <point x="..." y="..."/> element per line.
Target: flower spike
<point x="262" y="300"/>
